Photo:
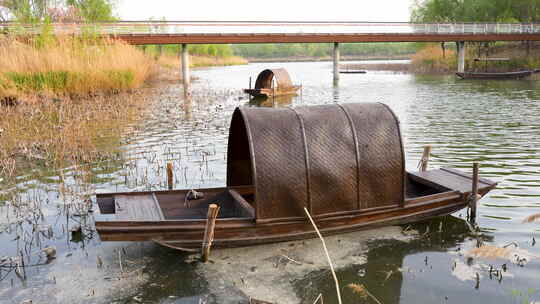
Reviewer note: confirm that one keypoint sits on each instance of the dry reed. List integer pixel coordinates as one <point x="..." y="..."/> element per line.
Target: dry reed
<point x="432" y="59"/>
<point x="40" y="132"/>
<point x="60" y="111"/>
<point x="66" y="66"/>
<point x="532" y="218"/>
<point x="490" y="252"/>
<point x="362" y="291"/>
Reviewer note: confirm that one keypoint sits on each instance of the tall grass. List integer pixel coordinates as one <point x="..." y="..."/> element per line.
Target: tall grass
<point x="431" y="58"/>
<point x="64" y="66"/>
<point x="62" y="112"/>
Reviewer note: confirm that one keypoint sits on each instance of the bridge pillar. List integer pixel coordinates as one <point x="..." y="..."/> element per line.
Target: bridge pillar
<point x="461" y="56"/>
<point x="336" y="63"/>
<point x="185" y="71"/>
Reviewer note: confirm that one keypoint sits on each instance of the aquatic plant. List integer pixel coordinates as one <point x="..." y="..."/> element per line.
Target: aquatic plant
<point x="362" y="291"/>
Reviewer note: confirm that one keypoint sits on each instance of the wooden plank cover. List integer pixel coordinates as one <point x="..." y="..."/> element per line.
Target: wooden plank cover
<point x="143" y="207"/>
<point x="449" y="179"/>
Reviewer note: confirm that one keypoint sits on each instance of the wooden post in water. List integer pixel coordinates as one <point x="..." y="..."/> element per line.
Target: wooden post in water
<point x="170" y="176"/>
<point x="336" y="63"/>
<point x="213" y="211"/>
<point x="425" y="158"/>
<point x="185" y="70"/>
<point x="461" y="56"/>
<point x="474" y="191"/>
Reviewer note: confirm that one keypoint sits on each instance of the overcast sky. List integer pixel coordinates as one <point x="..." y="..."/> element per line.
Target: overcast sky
<point x="278" y="10"/>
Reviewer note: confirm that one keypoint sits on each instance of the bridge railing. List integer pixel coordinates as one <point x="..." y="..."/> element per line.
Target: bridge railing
<point x="293" y="28"/>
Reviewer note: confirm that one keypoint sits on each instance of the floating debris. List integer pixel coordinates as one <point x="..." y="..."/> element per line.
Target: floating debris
<point x="50" y="252"/>
<point x="532" y="218"/>
<point x="515" y="255"/>
<point x="362" y="291"/>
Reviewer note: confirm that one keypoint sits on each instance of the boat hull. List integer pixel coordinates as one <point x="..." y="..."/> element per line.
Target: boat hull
<point x="508" y="75"/>
<point x="270" y="92"/>
<point x="244" y="232"/>
<point x="353" y="72"/>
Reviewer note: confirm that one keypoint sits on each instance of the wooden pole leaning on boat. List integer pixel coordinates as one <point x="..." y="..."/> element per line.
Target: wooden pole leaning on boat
<point x="425" y="158"/>
<point x="170" y="176"/>
<point x="474" y="192"/>
<point x="213" y="211"/>
<point x="327" y="254"/>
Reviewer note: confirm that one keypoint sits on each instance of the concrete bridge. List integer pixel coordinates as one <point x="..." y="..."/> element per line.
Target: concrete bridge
<point x="231" y="32"/>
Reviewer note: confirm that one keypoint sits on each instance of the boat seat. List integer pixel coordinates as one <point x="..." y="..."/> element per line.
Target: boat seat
<point x="446" y="179"/>
<point x="232" y="205"/>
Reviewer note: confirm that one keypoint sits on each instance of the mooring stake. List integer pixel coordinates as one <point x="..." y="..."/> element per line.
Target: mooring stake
<point x="425" y="158"/>
<point x="213" y="211"/>
<point x="170" y="176"/>
<point x="474" y="192"/>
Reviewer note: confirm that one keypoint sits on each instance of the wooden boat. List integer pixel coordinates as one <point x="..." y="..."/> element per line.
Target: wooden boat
<point x="353" y="72"/>
<point x="274" y="82"/>
<point x="504" y="75"/>
<point x="345" y="163"/>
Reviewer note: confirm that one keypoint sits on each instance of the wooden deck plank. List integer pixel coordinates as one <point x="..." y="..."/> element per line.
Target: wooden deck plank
<point x="137" y="208"/>
<point x="445" y="179"/>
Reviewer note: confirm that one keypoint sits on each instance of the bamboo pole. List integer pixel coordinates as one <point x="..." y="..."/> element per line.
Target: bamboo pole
<point x="170" y="176"/>
<point x="425" y="158"/>
<point x="327" y="255"/>
<point x="213" y="211"/>
<point x="474" y="192"/>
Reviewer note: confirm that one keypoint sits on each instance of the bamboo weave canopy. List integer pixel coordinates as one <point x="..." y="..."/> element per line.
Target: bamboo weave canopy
<point x="265" y="78"/>
<point x="331" y="159"/>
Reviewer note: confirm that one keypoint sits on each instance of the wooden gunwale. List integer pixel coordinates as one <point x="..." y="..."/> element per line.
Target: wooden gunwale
<point x="300" y="230"/>
<point x="501" y="75"/>
<point x="232" y="223"/>
<point x="244" y="231"/>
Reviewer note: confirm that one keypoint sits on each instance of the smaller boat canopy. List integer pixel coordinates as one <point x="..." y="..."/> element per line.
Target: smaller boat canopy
<point x="331" y="159"/>
<point x="265" y="78"/>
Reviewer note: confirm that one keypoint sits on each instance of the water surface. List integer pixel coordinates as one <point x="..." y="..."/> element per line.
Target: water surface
<point x="493" y="122"/>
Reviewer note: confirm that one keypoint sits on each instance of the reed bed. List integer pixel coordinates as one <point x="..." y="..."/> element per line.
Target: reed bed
<point x="432" y="59"/>
<point x="56" y="133"/>
<point x="65" y="100"/>
<point x="65" y="66"/>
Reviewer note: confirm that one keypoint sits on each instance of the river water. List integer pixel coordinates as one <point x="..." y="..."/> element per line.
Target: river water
<point x="495" y="123"/>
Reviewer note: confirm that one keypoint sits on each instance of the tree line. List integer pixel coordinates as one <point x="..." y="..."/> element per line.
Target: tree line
<point x="507" y="11"/>
<point x="36" y="11"/>
<point x="273" y="50"/>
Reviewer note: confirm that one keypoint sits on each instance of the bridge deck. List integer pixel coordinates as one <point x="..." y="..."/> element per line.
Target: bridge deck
<point x="286" y="32"/>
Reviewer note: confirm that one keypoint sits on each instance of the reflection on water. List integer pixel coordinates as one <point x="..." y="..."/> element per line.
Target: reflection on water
<point x="272" y="102"/>
<point x="493" y="122"/>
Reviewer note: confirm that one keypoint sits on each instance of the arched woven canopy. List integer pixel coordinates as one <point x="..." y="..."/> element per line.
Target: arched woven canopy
<point x="264" y="80"/>
<point x="329" y="158"/>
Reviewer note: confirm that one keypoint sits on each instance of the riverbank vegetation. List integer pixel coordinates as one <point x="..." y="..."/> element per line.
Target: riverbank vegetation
<point x="524" y="11"/>
<point x="201" y="55"/>
<point x="65" y="66"/>
<point x="319" y="51"/>
<point x="519" y="56"/>
<point x="65" y="100"/>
